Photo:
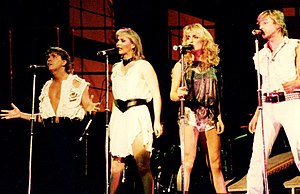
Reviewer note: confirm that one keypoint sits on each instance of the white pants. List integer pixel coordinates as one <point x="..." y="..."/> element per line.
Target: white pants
<point x="275" y="115"/>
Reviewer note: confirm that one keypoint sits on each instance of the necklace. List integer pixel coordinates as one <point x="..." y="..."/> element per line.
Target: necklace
<point x="126" y="61"/>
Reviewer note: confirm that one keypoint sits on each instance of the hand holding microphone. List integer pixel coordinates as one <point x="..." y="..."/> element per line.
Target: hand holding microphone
<point x="182" y="92"/>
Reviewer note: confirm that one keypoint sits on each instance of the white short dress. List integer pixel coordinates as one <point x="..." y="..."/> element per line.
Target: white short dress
<point x="125" y="126"/>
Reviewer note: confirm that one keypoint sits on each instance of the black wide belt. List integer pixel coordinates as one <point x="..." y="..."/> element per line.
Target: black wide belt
<point x="56" y="120"/>
<point x="125" y="105"/>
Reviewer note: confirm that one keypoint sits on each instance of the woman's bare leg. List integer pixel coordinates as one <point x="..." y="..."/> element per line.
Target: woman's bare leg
<point x="211" y="145"/>
<point x="142" y="158"/>
<point x="117" y="168"/>
<point x="190" y="150"/>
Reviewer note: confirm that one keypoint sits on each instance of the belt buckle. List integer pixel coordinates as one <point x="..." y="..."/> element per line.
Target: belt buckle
<point x="52" y="119"/>
<point x="272" y="97"/>
<point x="275" y="96"/>
<point x="131" y="103"/>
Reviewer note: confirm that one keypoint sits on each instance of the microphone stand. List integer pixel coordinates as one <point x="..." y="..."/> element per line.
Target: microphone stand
<point x="259" y="96"/>
<point x="106" y="53"/>
<point x="182" y="99"/>
<point x="107" y="123"/>
<point x="31" y="131"/>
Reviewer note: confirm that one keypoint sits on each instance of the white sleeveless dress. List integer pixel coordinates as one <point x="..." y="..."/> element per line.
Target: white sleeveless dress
<point x="124" y="127"/>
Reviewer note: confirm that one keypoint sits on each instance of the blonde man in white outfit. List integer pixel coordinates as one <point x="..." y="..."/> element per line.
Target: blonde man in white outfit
<point x="279" y="66"/>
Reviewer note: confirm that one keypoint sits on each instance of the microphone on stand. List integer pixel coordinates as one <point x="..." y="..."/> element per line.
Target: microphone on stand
<point x="106" y="51"/>
<point x="257" y="32"/>
<point x="183" y="47"/>
<point x="34" y="66"/>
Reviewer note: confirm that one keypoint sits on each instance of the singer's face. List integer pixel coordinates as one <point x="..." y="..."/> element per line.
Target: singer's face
<point x="54" y="61"/>
<point x="125" y="46"/>
<point x="193" y="39"/>
<point x="268" y="26"/>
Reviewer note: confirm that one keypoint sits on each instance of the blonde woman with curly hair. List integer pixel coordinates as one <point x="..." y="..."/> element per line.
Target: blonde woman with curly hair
<point x="202" y="115"/>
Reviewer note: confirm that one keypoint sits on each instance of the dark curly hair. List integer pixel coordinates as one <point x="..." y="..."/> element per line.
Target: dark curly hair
<point x="69" y="67"/>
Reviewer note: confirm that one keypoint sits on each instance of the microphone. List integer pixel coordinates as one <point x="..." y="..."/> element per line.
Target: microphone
<point x="106" y="52"/>
<point x="183" y="47"/>
<point x="257" y="32"/>
<point x="34" y="66"/>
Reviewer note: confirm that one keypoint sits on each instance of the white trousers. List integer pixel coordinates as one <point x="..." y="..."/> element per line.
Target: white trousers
<point x="275" y="115"/>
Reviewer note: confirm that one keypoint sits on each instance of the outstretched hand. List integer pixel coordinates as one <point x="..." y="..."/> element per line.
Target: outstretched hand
<point x="11" y="114"/>
<point x="93" y="107"/>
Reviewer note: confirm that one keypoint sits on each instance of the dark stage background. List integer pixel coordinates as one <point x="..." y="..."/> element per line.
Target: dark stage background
<point x="34" y="24"/>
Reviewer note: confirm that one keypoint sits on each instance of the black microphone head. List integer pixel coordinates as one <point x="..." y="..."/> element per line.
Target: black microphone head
<point x="107" y="51"/>
<point x="183" y="47"/>
<point x="34" y="66"/>
<point x="190" y="47"/>
<point x="257" y="32"/>
<point x="37" y="68"/>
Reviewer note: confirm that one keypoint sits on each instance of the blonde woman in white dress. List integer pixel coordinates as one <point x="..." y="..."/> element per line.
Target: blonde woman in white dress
<point x="134" y="84"/>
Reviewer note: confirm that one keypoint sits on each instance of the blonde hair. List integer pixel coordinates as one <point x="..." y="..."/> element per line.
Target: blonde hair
<point x="278" y="18"/>
<point x="135" y="39"/>
<point x="210" y="50"/>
